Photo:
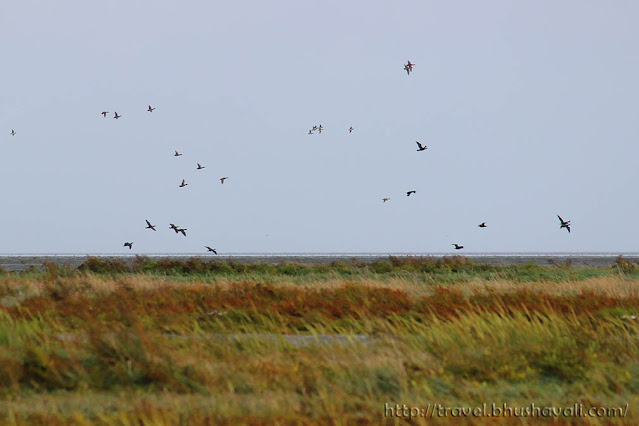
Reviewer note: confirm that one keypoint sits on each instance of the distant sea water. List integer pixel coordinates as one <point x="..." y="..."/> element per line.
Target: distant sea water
<point x="26" y="261"/>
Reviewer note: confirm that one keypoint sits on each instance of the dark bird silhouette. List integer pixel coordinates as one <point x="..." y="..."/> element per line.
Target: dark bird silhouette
<point x="314" y="128"/>
<point x="457" y="246"/>
<point x="177" y="154"/>
<point x="104" y="113"/>
<point x="310" y="132"/>
<point x="182" y="230"/>
<point x="482" y="225"/>
<point x="150" y="109"/>
<point x="183" y="184"/>
<point x="421" y="147"/>
<point x="211" y="249"/>
<point x="149" y="226"/>
<point x="350" y="129"/>
<point x="200" y="167"/>
<point x="173" y="227"/>
<point x="385" y="199"/>
<point x="408" y="67"/>
<point x="13" y="132"/>
<point x="320" y="128"/>
<point x="410" y="192"/>
<point x="564" y="223"/>
<point x="129" y="245"/>
<point x="223" y="179"/>
<point x="116" y="116"/>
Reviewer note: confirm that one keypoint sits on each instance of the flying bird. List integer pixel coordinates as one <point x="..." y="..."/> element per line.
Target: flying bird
<point x="408" y="67"/>
<point x="116" y="116"/>
<point x="482" y="225"/>
<point x="13" y="132"/>
<point x="310" y="132"/>
<point x="314" y="128"/>
<point x="183" y="184"/>
<point x="150" y="109"/>
<point x="148" y="225"/>
<point x="457" y="246"/>
<point x="173" y="227"/>
<point x="564" y="223"/>
<point x="320" y="128"/>
<point x="385" y="199"/>
<point x="350" y="129"/>
<point x="129" y="245"/>
<point x="104" y="113"/>
<point x="211" y="249"/>
<point x="223" y="179"/>
<point x="421" y="147"/>
<point x="177" y="154"/>
<point x="200" y="167"/>
<point x="410" y="192"/>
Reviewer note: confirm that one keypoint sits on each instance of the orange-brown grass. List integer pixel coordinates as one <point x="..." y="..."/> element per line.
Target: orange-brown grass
<point x="16" y="287"/>
<point x="242" y="302"/>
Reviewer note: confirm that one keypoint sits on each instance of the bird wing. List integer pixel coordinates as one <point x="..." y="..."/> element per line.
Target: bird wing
<point x="148" y="223"/>
<point x="562" y="221"/>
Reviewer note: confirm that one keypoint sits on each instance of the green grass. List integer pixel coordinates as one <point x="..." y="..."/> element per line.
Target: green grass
<point x="447" y="270"/>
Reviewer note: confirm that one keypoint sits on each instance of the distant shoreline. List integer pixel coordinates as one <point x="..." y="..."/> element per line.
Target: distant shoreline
<point x="22" y="262"/>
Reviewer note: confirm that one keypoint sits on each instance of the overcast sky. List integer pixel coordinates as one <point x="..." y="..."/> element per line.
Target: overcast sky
<point x="529" y="110"/>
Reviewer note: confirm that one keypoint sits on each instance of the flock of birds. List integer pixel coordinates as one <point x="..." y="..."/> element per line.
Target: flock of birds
<point x="172" y="226"/>
<point x="408" y="67"/>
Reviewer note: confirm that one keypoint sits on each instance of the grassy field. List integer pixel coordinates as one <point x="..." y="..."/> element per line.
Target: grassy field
<point x="197" y="342"/>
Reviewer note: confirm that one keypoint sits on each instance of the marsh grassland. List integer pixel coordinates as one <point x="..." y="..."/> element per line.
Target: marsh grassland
<point x="195" y="342"/>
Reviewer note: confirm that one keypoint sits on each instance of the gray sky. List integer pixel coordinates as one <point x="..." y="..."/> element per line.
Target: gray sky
<point x="529" y="110"/>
